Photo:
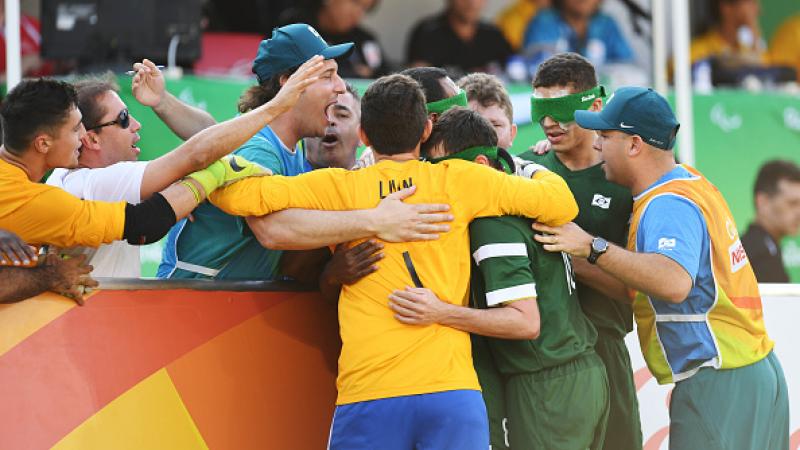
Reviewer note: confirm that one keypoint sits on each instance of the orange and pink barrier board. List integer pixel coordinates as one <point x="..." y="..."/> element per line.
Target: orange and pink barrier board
<point x="182" y="369"/>
<point x="168" y="369"/>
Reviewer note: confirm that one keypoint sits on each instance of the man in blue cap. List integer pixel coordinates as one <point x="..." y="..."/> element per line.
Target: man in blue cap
<point x="216" y="245"/>
<point x="697" y="305"/>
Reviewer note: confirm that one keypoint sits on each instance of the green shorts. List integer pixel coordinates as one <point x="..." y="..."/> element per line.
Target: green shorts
<point x="559" y="408"/>
<point x="494" y="392"/>
<point x="746" y="408"/>
<point x="624" y="430"/>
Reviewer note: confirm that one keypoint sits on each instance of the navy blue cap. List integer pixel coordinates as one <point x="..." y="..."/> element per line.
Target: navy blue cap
<point x="290" y="46"/>
<point x="635" y="110"/>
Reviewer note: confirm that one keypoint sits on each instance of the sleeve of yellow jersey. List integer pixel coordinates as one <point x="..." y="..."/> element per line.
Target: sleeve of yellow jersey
<point x="55" y="217"/>
<point x="545" y="198"/>
<point x="319" y="189"/>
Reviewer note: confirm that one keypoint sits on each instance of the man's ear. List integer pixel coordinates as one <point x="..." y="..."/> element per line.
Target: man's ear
<point x="363" y="137"/>
<point x="761" y="201"/>
<point x="513" y="133"/>
<point x="426" y="133"/>
<point x="90" y="140"/>
<point x="283" y="79"/>
<point x="483" y="160"/>
<point x="42" y="143"/>
<point x="637" y="146"/>
<point x="597" y="105"/>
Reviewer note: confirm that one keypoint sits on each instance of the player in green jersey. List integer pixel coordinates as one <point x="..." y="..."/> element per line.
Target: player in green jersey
<point x="542" y="375"/>
<point x="564" y="83"/>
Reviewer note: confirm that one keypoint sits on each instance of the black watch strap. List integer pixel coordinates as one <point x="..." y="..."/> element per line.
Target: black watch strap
<point x="597" y="248"/>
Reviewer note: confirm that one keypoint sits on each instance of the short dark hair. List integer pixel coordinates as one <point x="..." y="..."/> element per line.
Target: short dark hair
<point x="429" y="79"/>
<point x="487" y="90"/>
<point x="89" y="91"/>
<point x="261" y="93"/>
<point x="771" y="173"/>
<point x="34" y="106"/>
<point x="393" y="114"/>
<point x="566" y="69"/>
<point x="461" y="128"/>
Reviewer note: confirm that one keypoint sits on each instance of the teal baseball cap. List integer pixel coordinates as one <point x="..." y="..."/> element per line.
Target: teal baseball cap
<point x="290" y="46"/>
<point x="635" y="110"/>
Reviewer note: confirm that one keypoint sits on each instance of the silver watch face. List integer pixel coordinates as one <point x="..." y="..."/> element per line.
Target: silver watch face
<point x="599" y="244"/>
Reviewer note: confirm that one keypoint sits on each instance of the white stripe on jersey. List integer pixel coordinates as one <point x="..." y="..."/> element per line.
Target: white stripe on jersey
<point x="497" y="250"/>
<point x="508" y="294"/>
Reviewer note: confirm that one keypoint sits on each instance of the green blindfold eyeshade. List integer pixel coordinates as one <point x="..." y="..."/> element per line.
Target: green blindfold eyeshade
<point x="444" y="104"/>
<point x="473" y="152"/>
<point x="562" y="109"/>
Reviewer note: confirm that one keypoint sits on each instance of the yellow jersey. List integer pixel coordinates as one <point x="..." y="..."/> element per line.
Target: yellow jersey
<point x="43" y="214"/>
<point x="712" y="44"/>
<point x="382" y="357"/>
<point x="783" y="49"/>
<point x="514" y="20"/>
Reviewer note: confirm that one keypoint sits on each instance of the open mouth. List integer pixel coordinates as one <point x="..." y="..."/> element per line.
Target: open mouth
<point x="330" y="140"/>
<point x="134" y="146"/>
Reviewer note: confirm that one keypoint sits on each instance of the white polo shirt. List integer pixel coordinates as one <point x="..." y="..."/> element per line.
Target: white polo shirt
<point x="118" y="182"/>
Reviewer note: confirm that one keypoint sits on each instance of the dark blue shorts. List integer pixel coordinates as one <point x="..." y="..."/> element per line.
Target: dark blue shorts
<point x="451" y="420"/>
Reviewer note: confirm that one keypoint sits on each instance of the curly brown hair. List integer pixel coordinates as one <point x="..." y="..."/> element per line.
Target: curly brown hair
<point x="487" y="90"/>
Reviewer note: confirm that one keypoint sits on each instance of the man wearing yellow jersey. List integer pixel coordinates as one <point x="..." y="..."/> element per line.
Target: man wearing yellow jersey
<point x="401" y="386"/>
<point x="697" y="305"/>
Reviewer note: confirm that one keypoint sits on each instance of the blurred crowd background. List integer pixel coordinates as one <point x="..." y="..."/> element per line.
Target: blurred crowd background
<point x="753" y="44"/>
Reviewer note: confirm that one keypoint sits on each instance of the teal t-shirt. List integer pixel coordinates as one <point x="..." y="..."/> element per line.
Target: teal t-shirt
<point x="217" y="245"/>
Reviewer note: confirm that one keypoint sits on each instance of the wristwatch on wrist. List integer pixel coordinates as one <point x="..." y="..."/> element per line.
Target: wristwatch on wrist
<point x="599" y="246"/>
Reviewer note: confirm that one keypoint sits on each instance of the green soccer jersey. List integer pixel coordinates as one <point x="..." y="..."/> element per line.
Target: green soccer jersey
<point x="604" y="210"/>
<point x="508" y="264"/>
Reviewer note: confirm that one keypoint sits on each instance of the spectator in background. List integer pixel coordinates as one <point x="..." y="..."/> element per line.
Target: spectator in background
<point x="489" y="98"/>
<point x="337" y="147"/>
<point x="777" y="200"/>
<point x="513" y="20"/>
<point x="734" y="33"/>
<point x="216" y="245"/>
<point x="43" y="131"/>
<point x="458" y="40"/>
<point x="108" y="167"/>
<point x="784" y="49"/>
<point x="30" y="42"/>
<point x="576" y="26"/>
<point x="339" y="21"/>
<point x="244" y="16"/>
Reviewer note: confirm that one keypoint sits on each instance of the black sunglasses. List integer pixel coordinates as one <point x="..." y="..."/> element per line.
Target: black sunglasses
<point x="123" y="120"/>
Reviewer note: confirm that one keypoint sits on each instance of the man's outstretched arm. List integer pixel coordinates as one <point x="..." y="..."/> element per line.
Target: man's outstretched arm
<point x="420" y="306"/>
<point x="149" y="88"/>
<point x="392" y="221"/>
<point x="654" y="274"/>
<point x="215" y="141"/>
